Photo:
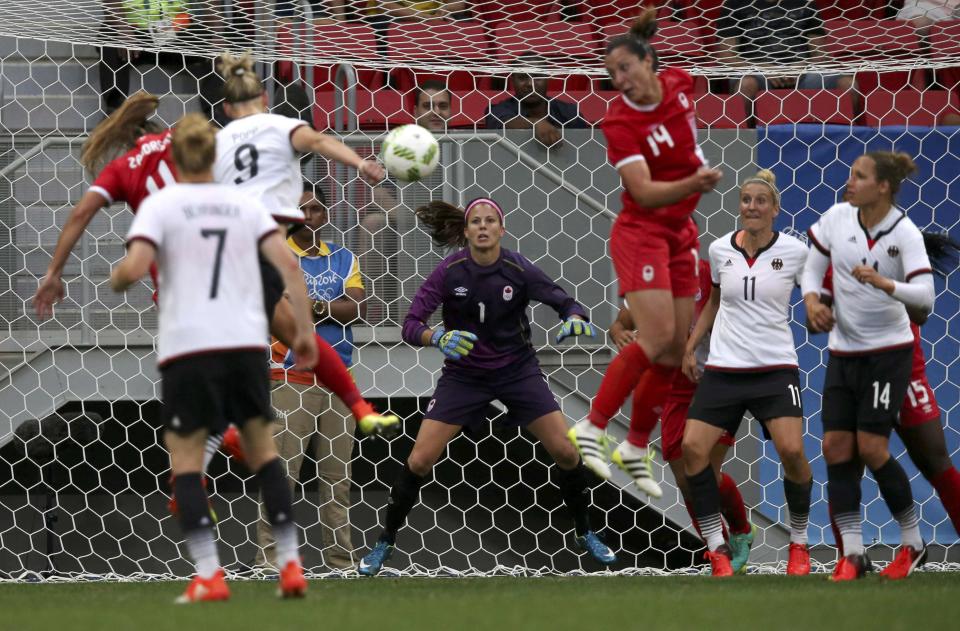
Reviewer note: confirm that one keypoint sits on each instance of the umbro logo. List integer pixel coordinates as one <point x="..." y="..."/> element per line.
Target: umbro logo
<point x="729" y="263"/>
<point x="852" y="239"/>
<point x="460" y="292"/>
<point x="777" y="264"/>
<point x="893" y="251"/>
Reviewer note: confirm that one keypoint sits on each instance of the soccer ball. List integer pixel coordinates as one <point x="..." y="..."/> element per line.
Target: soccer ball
<point x="410" y="153"/>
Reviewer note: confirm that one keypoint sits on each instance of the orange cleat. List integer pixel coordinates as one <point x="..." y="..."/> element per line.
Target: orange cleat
<point x="907" y="560"/>
<point x="719" y="562"/>
<point x="292" y="582"/>
<point x="205" y="590"/>
<point x="799" y="562"/>
<point x="172" y="504"/>
<point x="850" y="568"/>
<point x="232" y="444"/>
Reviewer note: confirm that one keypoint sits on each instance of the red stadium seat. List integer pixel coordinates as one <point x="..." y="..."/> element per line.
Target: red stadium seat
<point x="866" y="39"/>
<point x="561" y="40"/>
<point x="721" y="111"/>
<point x="907" y="107"/>
<point x="349" y="41"/>
<point x="376" y="109"/>
<point x="493" y="11"/>
<point x="945" y="40"/>
<point x="438" y="40"/>
<point x="593" y="106"/>
<point x="851" y="9"/>
<point x="774" y="107"/>
<point x="675" y="42"/>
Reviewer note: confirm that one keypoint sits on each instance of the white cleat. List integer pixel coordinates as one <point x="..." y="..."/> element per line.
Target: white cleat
<point x="637" y="461"/>
<point x="591" y="442"/>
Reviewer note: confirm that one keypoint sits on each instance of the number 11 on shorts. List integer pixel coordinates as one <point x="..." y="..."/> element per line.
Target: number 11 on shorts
<point x="794" y="394"/>
<point x="881" y="395"/>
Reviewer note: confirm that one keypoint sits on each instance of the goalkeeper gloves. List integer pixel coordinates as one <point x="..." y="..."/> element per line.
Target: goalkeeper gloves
<point x="453" y="344"/>
<point x="575" y="326"/>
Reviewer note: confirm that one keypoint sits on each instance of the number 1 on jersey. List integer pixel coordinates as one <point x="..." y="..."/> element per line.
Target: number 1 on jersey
<point x="221" y="235"/>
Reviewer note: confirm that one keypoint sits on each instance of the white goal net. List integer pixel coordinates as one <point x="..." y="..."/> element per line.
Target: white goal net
<point x="83" y="474"/>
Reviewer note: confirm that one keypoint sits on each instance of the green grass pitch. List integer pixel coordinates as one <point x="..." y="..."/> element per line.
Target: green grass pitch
<point x="925" y="601"/>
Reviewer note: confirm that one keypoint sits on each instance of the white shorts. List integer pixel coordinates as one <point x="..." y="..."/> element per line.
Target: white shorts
<point x="934" y="10"/>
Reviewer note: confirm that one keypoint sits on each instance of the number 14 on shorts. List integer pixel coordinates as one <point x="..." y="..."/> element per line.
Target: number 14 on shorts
<point x="881" y="394"/>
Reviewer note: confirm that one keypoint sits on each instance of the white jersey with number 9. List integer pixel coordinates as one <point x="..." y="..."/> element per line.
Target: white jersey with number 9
<point x="256" y="154"/>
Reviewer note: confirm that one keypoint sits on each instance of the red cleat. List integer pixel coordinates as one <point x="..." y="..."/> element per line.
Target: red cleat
<point x="172" y="504"/>
<point x="720" y="562"/>
<point x="799" y="562"/>
<point x="232" y="444"/>
<point x="292" y="582"/>
<point x="850" y="568"/>
<point x="907" y="560"/>
<point x="205" y="590"/>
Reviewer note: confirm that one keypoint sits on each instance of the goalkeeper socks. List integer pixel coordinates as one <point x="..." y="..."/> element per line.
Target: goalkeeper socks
<point x="210" y="448"/>
<point x="333" y="374"/>
<point x="574" y="490"/>
<point x="798" y="503"/>
<point x="278" y="504"/>
<point x="947" y="485"/>
<point x="705" y="497"/>
<point x="196" y="523"/>
<point x="403" y="497"/>
<point x="732" y="506"/>
<point x="895" y="489"/>
<point x="843" y="491"/>
<point x="621" y="378"/>
<point x="648" y="399"/>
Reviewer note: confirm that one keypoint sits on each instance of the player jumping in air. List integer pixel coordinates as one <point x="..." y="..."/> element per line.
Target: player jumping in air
<point x="652" y="142"/>
<point x="484" y="291"/>
<point x="880" y="272"/>
<point x="752" y="366"/>
<point x="204" y="238"/>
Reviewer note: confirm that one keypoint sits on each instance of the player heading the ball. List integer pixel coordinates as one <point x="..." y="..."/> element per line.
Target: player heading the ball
<point x="205" y="239"/>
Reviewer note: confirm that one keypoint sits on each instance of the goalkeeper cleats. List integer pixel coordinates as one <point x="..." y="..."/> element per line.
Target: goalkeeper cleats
<point x="591" y="544"/>
<point x="591" y="442"/>
<point x="205" y="590"/>
<point x="907" y="560"/>
<point x="372" y="423"/>
<point x="638" y="462"/>
<point x="371" y="564"/>
<point x="798" y="564"/>
<point x="720" y="565"/>
<point x="292" y="582"/>
<point x="740" y="545"/>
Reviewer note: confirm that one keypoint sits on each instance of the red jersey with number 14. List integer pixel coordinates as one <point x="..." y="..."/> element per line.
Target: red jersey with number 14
<point x="143" y="170"/>
<point x="665" y="136"/>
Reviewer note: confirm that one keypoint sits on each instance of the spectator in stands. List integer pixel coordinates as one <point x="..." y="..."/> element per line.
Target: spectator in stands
<point x="305" y="411"/>
<point x="165" y="24"/>
<point x="383" y="230"/>
<point x="531" y="106"/>
<point x="923" y="13"/>
<point x="417" y="10"/>
<point x="322" y="11"/>
<point x="771" y="33"/>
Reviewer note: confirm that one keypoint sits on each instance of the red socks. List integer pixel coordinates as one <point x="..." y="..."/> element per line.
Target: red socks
<point x="621" y="378"/>
<point x="947" y="485"/>
<point x="648" y="399"/>
<point x="731" y="506"/>
<point x="331" y="372"/>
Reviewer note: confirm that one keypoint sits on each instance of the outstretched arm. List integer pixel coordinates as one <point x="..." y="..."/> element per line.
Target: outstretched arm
<point x="134" y="265"/>
<point x="51" y="290"/>
<point x="308" y="140"/>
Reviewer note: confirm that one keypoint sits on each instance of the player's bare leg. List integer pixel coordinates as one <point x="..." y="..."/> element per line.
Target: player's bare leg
<point x="262" y="458"/>
<point x="186" y="465"/>
<point x="787" y="435"/>
<point x="844" y="472"/>
<point x="572" y="478"/>
<point x="333" y="374"/>
<point x="432" y="440"/>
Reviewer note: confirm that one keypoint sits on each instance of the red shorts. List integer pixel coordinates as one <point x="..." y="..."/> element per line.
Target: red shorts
<point x="673" y="420"/>
<point x="920" y="405"/>
<point x="649" y="255"/>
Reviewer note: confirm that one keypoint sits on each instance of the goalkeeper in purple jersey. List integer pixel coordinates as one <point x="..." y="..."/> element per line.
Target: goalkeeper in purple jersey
<point x="484" y="291"/>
